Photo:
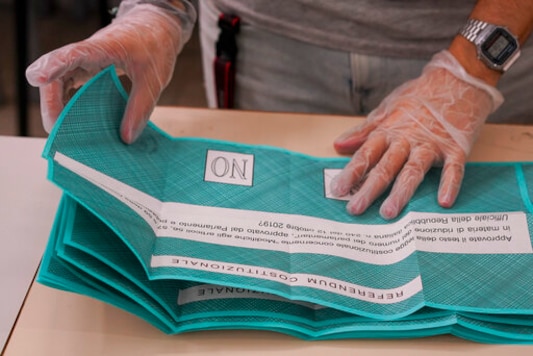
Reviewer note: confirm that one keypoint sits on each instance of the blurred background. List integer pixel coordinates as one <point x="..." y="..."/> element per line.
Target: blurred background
<point x="31" y="28"/>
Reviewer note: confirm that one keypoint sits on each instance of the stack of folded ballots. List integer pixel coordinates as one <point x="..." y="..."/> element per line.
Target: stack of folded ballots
<point x="196" y="234"/>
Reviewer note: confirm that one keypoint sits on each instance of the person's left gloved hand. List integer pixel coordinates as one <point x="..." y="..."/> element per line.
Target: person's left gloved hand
<point x="430" y="121"/>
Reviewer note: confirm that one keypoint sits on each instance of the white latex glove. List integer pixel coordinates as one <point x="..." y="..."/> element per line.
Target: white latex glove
<point x="143" y="42"/>
<point x="429" y="121"/>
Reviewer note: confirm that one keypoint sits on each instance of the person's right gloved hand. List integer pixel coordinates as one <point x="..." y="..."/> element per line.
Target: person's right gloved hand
<point x="143" y="42"/>
<point x="430" y="121"/>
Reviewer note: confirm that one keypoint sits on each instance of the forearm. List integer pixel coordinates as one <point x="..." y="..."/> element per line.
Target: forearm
<point x="516" y="15"/>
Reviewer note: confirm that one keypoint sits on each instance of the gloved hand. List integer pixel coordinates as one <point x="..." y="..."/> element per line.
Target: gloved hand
<point x="429" y="121"/>
<point x="143" y="41"/>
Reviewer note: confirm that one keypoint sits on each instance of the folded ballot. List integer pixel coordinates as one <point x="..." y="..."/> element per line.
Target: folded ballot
<point x="197" y="234"/>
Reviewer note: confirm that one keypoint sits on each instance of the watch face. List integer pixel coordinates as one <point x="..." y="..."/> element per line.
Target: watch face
<point x="499" y="46"/>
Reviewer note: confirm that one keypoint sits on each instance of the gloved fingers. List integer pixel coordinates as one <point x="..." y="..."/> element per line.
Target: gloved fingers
<point x="38" y="72"/>
<point x="407" y="181"/>
<point x="141" y="103"/>
<point x="380" y="177"/>
<point x="349" y="141"/>
<point x="362" y="161"/>
<point x="450" y="183"/>
<point x="80" y="61"/>
<point x="51" y="103"/>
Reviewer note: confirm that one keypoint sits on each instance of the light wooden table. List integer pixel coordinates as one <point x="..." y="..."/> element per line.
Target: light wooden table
<point x="53" y="322"/>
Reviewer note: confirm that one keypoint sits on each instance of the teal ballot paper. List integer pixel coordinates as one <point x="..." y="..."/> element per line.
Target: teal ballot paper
<point x="196" y="234"/>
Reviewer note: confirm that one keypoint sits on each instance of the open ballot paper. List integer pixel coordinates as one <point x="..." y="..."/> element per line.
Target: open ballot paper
<point x="196" y="234"/>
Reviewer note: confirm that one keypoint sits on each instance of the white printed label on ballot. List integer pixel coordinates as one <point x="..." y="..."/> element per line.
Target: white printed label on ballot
<point x="229" y="168"/>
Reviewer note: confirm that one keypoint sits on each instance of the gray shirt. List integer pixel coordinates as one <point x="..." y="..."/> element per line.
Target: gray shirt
<point x="397" y="28"/>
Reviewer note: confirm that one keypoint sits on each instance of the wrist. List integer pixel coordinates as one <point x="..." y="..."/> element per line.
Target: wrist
<point x="446" y="60"/>
<point x="466" y="54"/>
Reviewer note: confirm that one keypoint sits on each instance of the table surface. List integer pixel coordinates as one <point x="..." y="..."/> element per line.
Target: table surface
<point x="53" y="322"/>
<point x="27" y="208"/>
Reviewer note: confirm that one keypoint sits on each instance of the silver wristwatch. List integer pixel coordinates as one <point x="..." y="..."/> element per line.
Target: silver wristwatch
<point x="496" y="46"/>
